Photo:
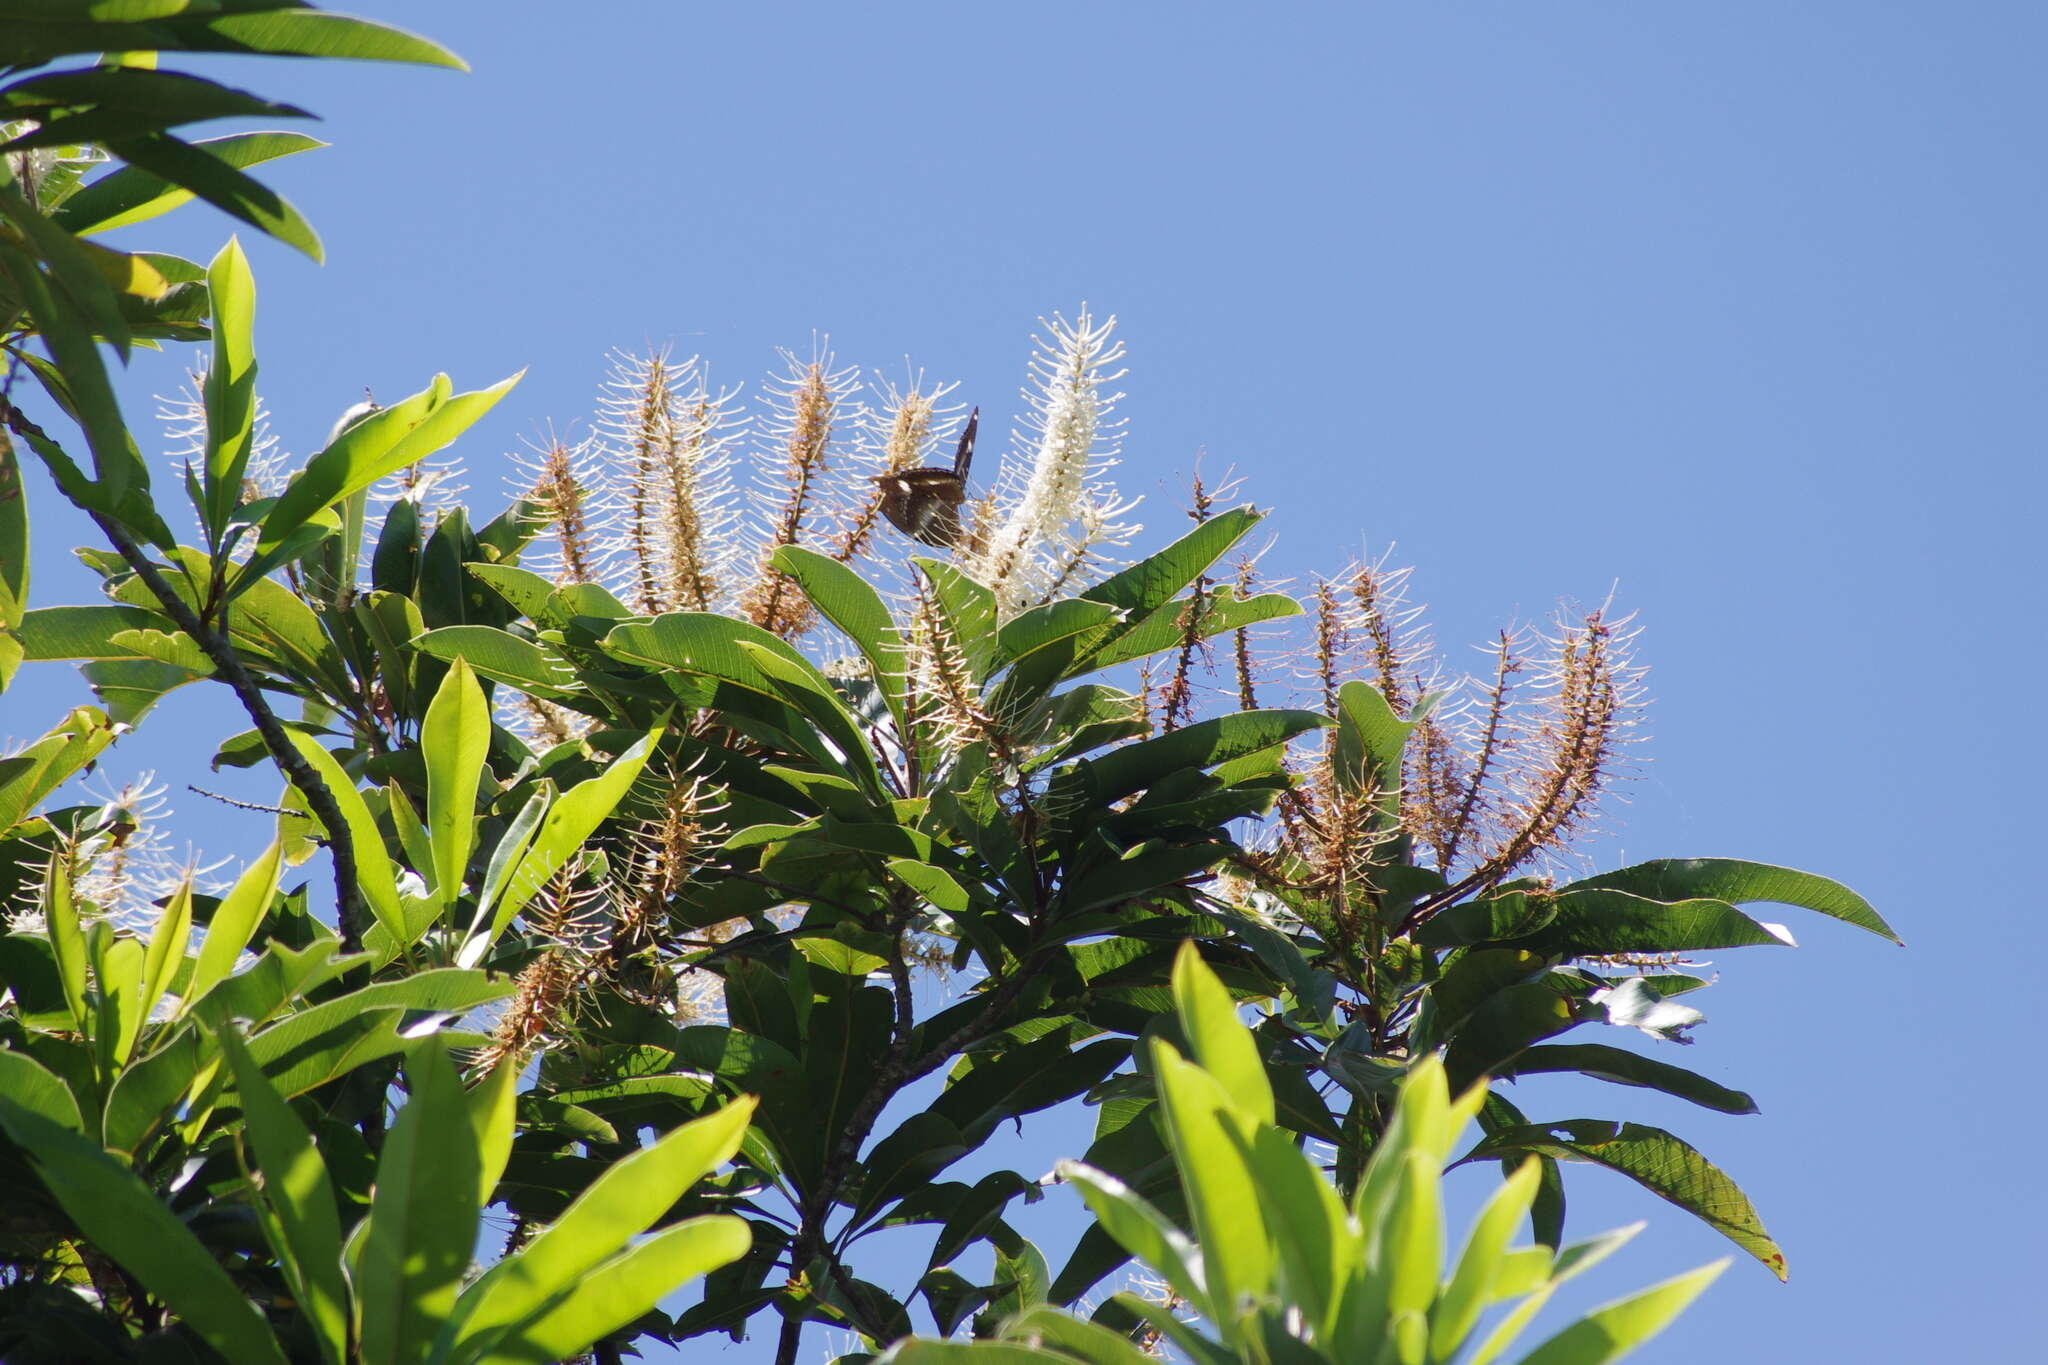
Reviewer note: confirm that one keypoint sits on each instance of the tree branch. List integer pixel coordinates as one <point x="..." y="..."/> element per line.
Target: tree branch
<point x="898" y="1070"/>
<point x="228" y="666"/>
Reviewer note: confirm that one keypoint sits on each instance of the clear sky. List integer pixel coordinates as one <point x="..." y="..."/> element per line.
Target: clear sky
<point x="1740" y="306"/>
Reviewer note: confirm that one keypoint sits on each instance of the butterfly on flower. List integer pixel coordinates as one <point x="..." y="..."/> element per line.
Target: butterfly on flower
<point x="924" y="503"/>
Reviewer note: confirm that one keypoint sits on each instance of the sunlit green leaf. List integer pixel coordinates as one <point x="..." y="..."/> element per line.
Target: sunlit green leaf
<point x="374" y="876"/>
<point x="296" y="1189"/>
<point x="520" y="1292"/>
<point x="1610" y="1332"/>
<point x="230" y="386"/>
<point x="572" y="818"/>
<point x="455" y="741"/>
<point x="1223" y="1045"/>
<point x="422" y="1215"/>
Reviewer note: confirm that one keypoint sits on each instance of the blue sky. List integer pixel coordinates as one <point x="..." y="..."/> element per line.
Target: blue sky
<point x="1737" y="307"/>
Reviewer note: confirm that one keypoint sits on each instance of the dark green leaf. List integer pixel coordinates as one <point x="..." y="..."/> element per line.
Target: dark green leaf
<point x="422" y="1215"/>
<point x="1741" y="883"/>
<point x="846" y="600"/>
<point x="180" y="163"/>
<point x="132" y="195"/>
<point x="1025" y="1079"/>
<point x="1595" y="921"/>
<point x="1158" y="578"/>
<point x="922" y="1146"/>
<point x="1627" y="1068"/>
<point x="1201" y="745"/>
<point x="1653" y="1158"/>
<point x="32" y="1086"/>
<point x="124" y="1220"/>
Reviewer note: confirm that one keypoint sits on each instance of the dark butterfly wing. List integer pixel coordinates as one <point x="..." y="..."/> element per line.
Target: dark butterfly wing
<point x="965" y="456"/>
<point x="924" y="504"/>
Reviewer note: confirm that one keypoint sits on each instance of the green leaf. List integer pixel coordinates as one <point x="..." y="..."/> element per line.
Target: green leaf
<point x="167" y="944"/>
<point x="573" y="818"/>
<point x="132" y="195"/>
<point x="1610" y="1332"/>
<point x="374" y="876"/>
<point x="1144" y="1232"/>
<point x="72" y="271"/>
<point x="238" y="26"/>
<point x="78" y="382"/>
<point x="117" y="968"/>
<point x="171" y="647"/>
<point x="423" y="1215"/>
<point x="1370" y="741"/>
<point x="845" y="599"/>
<point x="1490" y="919"/>
<point x="83" y="632"/>
<point x="1022" y="1080"/>
<point x="1412" y="1240"/>
<point x="934" y="884"/>
<point x="230" y="386"/>
<point x="625" y="1287"/>
<point x="455" y="741"/>
<point x="1204" y="744"/>
<point x="315" y="1044"/>
<point x="1158" y="578"/>
<point x="835" y="955"/>
<point x="972" y="1215"/>
<point x="1208" y="1133"/>
<point x="525" y="591"/>
<point x="797" y="682"/>
<point x="122" y="1219"/>
<point x="1599" y="920"/>
<point x="37" y="1090"/>
<point x="970" y="608"/>
<point x="502" y="657"/>
<point x="1056" y="623"/>
<point x="1471" y="1285"/>
<point x="174" y="160"/>
<point x="921" y="1351"/>
<point x="493" y="1105"/>
<point x="1223" y="1046"/>
<point x="412" y="840"/>
<point x="1167" y="625"/>
<point x="36" y="771"/>
<point x="921" y="1146"/>
<point x="152" y="1090"/>
<point x="512" y="846"/>
<point x="67" y="940"/>
<point x="365" y="452"/>
<point x="1741" y="883"/>
<point x="1076" y="1337"/>
<point x="13" y="560"/>
<point x="1654" y="1159"/>
<point x="1308" y="1225"/>
<point x="296" y="1189"/>
<point x="165" y="97"/>
<point x="515" y="1296"/>
<point x="1627" y="1068"/>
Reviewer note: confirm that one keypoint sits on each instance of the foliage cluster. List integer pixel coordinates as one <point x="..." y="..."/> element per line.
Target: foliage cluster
<point x="652" y="805"/>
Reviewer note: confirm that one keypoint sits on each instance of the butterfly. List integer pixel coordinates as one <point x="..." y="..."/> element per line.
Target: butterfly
<point x="924" y="503"/>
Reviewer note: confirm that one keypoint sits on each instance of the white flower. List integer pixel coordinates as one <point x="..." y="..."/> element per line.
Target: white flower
<point x="1055" y="522"/>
